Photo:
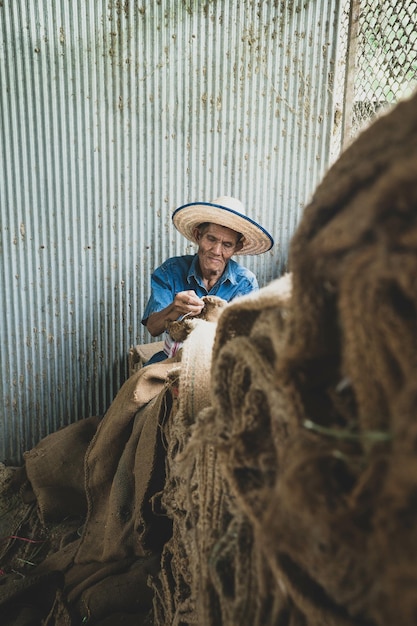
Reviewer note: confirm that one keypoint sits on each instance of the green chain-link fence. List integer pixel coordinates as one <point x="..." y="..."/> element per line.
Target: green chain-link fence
<point x="381" y="59"/>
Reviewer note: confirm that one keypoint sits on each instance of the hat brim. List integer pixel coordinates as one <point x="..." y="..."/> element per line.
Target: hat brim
<point x="256" y="239"/>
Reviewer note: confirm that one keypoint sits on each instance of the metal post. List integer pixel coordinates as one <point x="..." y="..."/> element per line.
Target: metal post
<point x="351" y="56"/>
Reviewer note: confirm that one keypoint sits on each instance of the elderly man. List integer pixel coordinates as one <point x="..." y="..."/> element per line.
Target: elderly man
<point x="220" y="229"/>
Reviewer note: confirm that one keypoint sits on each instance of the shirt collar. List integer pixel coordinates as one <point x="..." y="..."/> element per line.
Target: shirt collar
<point x="228" y="273"/>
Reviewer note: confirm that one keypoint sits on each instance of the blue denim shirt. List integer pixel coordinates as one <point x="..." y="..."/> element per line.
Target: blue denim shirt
<point x="181" y="273"/>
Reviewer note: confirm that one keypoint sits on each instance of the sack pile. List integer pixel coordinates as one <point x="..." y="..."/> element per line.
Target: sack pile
<point x="212" y="572"/>
<point x="299" y="480"/>
<point x="270" y="477"/>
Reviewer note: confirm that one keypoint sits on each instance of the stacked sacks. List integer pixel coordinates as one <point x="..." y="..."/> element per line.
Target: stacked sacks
<point x="316" y="432"/>
<point x="372" y="277"/>
<point x="213" y="572"/>
<point x="354" y="322"/>
<point x="249" y="340"/>
<point x="102" y="477"/>
<point x="174" y="597"/>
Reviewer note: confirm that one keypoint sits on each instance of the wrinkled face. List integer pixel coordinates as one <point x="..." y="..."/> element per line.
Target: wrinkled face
<point x="216" y="244"/>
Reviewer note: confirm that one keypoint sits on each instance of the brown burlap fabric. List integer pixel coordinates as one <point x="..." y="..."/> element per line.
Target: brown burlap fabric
<point x="109" y="472"/>
<point x="55" y="470"/>
<point x="293" y="493"/>
<point x="122" y="472"/>
<point x="25" y="601"/>
<point x="315" y="432"/>
<point x="212" y="571"/>
<point x="175" y="598"/>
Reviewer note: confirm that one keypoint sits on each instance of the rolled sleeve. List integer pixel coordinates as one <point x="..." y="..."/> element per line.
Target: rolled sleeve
<point x="162" y="293"/>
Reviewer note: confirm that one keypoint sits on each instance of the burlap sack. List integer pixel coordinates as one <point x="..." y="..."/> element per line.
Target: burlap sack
<point x="212" y="572"/>
<point x="124" y="468"/>
<point x="335" y="525"/>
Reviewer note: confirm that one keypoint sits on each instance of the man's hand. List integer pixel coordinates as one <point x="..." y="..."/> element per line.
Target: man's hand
<point x="188" y="303"/>
<point x="184" y="303"/>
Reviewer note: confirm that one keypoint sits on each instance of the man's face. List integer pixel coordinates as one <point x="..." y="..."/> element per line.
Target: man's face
<point x="216" y="244"/>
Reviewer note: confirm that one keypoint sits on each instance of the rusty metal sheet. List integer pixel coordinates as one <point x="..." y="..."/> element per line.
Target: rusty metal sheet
<point x="112" y="115"/>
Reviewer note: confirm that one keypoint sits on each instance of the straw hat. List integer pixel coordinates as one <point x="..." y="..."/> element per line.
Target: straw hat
<point x="225" y="211"/>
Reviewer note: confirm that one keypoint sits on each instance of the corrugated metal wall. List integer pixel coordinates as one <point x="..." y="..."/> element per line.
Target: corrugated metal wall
<point x="112" y="114"/>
